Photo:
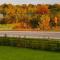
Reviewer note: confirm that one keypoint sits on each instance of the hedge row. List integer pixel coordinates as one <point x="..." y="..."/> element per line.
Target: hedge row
<point x="45" y="44"/>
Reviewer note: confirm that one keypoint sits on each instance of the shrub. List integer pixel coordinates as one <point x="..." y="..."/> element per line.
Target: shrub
<point x="44" y="44"/>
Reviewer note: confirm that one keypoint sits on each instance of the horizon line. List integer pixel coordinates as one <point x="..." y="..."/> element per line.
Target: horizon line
<point x="31" y="3"/>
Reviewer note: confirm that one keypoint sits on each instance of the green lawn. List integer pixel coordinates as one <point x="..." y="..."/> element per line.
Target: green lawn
<point x="14" y="53"/>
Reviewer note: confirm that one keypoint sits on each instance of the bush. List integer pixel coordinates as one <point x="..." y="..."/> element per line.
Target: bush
<point x="44" y="44"/>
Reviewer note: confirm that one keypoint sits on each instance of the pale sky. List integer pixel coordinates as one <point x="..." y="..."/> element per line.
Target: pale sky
<point x="29" y="1"/>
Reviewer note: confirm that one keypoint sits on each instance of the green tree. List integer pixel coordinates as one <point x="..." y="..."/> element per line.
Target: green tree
<point x="34" y="23"/>
<point x="52" y="24"/>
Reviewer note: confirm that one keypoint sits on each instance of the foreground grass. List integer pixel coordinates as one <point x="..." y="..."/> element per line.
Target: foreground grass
<point x="14" y="53"/>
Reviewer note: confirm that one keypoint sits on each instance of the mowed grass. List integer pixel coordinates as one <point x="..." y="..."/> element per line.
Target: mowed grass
<point x="14" y="53"/>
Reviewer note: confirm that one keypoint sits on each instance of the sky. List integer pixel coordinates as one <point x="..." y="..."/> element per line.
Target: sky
<point x="29" y="1"/>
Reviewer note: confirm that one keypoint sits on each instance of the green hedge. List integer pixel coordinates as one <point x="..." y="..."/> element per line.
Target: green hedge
<point x="44" y="44"/>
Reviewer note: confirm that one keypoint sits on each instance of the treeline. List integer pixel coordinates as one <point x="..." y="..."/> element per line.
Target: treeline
<point x="42" y="17"/>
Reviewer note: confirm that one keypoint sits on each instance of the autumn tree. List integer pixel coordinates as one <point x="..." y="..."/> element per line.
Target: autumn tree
<point x="42" y="9"/>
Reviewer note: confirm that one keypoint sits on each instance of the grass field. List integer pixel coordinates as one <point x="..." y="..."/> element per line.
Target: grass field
<point x="14" y="53"/>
